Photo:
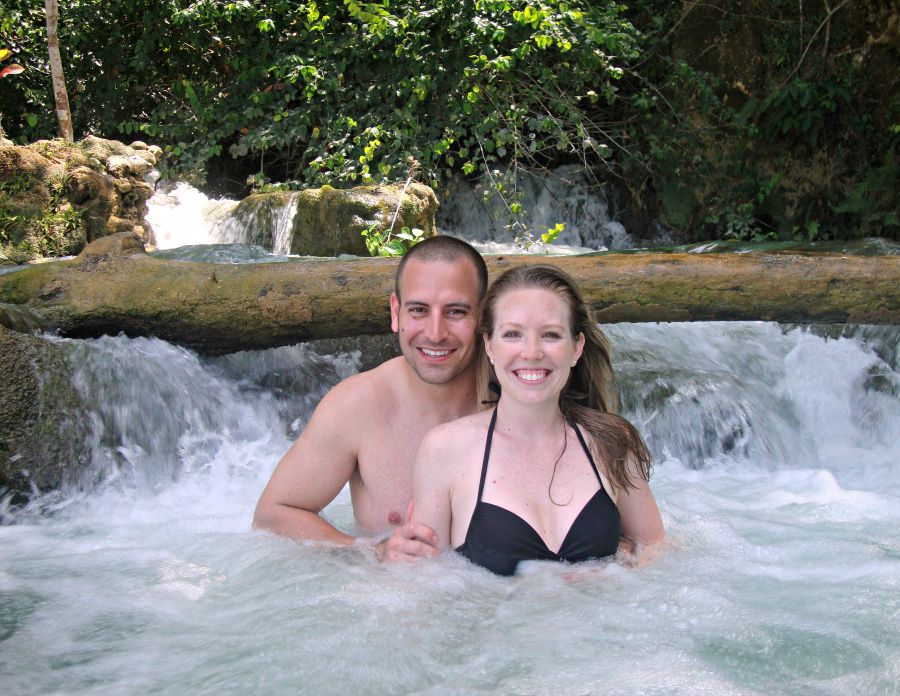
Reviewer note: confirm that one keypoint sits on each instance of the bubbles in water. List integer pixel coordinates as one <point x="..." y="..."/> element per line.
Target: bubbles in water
<point x="779" y="576"/>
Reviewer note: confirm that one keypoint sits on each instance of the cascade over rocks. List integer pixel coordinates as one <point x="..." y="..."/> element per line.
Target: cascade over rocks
<point x="113" y="287"/>
<point x="329" y="222"/>
<point x="56" y="197"/>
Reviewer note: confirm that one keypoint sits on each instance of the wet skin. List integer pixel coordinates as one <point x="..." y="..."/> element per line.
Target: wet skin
<point x="366" y="430"/>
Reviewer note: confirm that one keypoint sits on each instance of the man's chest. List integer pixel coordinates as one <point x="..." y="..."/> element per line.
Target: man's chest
<point x="386" y="460"/>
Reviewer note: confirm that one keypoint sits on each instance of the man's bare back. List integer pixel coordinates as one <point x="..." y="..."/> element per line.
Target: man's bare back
<point x="367" y="430"/>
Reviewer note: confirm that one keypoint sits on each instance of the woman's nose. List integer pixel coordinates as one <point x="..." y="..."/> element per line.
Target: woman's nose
<point x="531" y="348"/>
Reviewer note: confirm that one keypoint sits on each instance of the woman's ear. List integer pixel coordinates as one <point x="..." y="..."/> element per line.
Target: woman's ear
<point x="579" y="347"/>
<point x="487" y="348"/>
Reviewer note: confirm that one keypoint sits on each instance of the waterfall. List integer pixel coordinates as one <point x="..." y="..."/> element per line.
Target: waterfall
<point x="266" y="221"/>
<point x="566" y="194"/>
<point x="777" y="471"/>
<point x="182" y="216"/>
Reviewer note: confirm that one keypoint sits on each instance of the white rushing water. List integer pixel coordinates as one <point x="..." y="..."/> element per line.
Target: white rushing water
<point x="182" y="216"/>
<point x="567" y="194"/>
<point x="777" y="473"/>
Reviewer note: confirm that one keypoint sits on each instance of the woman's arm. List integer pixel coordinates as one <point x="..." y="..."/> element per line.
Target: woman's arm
<point x="641" y="522"/>
<point x="431" y="488"/>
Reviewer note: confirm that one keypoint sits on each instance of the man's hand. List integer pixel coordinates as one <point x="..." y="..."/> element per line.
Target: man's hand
<point x="409" y="541"/>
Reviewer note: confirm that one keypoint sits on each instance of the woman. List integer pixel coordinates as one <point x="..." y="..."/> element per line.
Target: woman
<point x="549" y="473"/>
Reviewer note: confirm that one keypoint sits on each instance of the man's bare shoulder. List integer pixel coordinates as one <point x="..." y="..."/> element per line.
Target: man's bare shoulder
<point x="362" y="391"/>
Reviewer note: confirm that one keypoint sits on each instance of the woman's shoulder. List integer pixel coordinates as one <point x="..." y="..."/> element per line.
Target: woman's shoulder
<point x="451" y="451"/>
<point x="460" y="434"/>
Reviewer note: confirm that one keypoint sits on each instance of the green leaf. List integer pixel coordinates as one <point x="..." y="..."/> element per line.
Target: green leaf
<point x="395" y="248"/>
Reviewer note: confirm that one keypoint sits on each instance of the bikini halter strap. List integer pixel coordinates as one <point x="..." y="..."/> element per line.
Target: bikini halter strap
<point x="487" y="453"/>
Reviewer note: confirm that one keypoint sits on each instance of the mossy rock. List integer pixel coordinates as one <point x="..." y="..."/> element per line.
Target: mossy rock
<point x="330" y="222"/>
<point x="44" y="431"/>
<point x="102" y="149"/>
<point x="55" y="196"/>
<point x="36" y="220"/>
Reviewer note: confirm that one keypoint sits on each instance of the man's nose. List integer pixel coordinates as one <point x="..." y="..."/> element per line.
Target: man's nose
<point x="437" y="328"/>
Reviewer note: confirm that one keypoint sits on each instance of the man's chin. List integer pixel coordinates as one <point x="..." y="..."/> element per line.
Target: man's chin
<point x="434" y="372"/>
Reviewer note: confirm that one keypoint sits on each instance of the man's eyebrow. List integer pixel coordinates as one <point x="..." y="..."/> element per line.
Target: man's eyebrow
<point x="419" y="303"/>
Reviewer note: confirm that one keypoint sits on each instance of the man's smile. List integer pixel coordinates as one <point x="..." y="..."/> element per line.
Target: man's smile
<point x="436" y="353"/>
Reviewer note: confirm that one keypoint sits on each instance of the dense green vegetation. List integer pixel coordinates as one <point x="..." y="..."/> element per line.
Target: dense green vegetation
<point x="296" y="94"/>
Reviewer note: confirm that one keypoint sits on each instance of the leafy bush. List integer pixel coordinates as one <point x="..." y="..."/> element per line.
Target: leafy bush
<point x="342" y="92"/>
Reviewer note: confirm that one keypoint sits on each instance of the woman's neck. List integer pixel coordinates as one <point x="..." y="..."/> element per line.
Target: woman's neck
<point x="527" y="422"/>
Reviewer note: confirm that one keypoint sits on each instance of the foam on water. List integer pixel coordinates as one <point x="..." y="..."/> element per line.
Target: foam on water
<point x="780" y="575"/>
<point x="183" y="215"/>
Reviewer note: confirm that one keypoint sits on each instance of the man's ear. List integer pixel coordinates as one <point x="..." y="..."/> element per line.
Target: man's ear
<point x="395" y="313"/>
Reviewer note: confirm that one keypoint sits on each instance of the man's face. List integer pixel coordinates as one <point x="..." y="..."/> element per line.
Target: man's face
<point x="436" y="317"/>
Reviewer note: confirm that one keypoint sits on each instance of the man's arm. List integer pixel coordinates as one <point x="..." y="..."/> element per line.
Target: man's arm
<point x="315" y="469"/>
<point x="311" y="474"/>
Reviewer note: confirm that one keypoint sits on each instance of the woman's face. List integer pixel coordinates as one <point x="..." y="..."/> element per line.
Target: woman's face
<point x="532" y="348"/>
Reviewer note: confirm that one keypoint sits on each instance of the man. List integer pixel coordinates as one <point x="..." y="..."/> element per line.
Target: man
<point x="367" y="429"/>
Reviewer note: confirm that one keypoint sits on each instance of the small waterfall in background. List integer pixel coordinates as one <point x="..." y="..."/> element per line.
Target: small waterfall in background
<point x="566" y="194"/>
<point x="184" y="216"/>
<point x="266" y="221"/>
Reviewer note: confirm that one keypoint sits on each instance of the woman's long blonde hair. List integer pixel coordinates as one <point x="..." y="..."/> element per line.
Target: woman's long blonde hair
<point x="589" y="397"/>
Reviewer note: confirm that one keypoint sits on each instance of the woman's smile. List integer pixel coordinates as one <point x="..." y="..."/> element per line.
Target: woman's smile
<point x="531" y="375"/>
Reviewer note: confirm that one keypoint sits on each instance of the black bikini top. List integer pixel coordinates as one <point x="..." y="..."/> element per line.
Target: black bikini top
<point x="498" y="539"/>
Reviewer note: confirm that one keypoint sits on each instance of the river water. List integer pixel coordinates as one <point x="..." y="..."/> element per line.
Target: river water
<point x="777" y="472"/>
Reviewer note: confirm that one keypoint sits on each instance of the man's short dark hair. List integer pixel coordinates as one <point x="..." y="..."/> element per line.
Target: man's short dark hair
<point x="444" y="249"/>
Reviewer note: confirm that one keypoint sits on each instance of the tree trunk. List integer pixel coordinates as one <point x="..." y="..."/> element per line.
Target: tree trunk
<point x="113" y="286"/>
<point x="63" y="113"/>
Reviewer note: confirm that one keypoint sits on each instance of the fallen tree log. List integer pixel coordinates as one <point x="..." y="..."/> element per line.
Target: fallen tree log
<point x="113" y="287"/>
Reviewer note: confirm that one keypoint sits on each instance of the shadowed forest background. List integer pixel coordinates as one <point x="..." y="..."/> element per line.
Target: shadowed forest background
<point x="747" y="120"/>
